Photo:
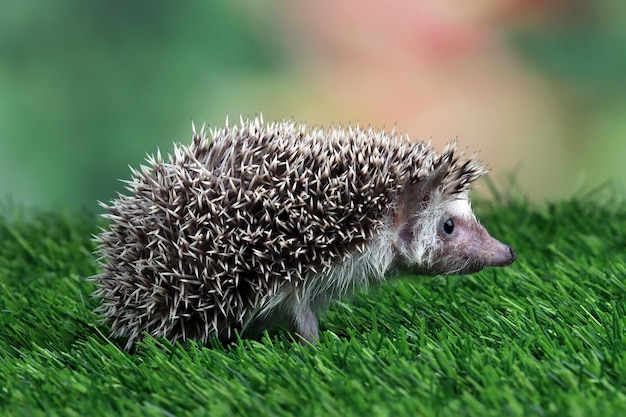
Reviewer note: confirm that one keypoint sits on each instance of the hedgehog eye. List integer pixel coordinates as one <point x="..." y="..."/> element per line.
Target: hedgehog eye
<point x="447" y="227"/>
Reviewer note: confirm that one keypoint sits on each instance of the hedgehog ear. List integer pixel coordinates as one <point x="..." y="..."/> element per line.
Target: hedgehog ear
<point x="429" y="184"/>
<point x="419" y="193"/>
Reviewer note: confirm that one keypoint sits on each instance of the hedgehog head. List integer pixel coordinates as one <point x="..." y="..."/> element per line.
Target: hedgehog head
<point x="436" y="231"/>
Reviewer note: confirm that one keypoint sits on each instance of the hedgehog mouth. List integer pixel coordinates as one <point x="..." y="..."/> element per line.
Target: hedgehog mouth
<point x="470" y="269"/>
<point x="440" y="269"/>
<point x="464" y="266"/>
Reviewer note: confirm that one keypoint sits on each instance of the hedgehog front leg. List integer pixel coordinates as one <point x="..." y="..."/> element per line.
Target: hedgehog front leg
<point x="305" y="324"/>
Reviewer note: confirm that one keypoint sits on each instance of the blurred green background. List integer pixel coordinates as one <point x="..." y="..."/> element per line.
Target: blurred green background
<point x="88" y="88"/>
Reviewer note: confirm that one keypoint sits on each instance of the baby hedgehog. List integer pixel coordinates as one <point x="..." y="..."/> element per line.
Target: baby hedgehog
<point x="265" y="224"/>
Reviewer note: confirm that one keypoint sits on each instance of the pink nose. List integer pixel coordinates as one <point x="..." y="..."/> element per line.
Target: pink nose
<point x="505" y="257"/>
<point x="499" y="254"/>
<point x="512" y="254"/>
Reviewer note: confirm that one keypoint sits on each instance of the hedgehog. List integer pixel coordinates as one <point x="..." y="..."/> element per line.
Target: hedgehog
<point x="264" y="224"/>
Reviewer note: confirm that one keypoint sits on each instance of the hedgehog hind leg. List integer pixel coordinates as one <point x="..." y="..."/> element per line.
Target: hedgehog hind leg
<point x="305" y="324"/>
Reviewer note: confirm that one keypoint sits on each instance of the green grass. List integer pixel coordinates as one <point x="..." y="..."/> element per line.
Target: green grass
<point x="542" y="337"/>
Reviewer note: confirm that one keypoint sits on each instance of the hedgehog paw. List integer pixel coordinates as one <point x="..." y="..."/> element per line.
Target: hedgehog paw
<point x="305" y="324"/>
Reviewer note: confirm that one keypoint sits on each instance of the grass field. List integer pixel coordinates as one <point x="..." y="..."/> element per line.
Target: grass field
<point x="543" y="337"/>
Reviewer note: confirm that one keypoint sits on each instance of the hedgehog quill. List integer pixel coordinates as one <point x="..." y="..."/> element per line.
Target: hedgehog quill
<point x="266" y="223"/>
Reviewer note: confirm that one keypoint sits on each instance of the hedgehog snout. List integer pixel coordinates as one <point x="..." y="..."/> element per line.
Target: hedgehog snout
<point x="472" y="248"/>
<point x="500" y="255"/>
<point x="487" y="250"/>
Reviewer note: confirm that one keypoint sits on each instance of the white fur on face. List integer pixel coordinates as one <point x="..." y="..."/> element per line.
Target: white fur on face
<point x="419" y="253"/>
<point x="459" y="207"/>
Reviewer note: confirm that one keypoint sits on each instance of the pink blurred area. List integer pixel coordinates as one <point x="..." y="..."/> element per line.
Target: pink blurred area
<point x="538" y="87"/>
<point x="437" y="70"/>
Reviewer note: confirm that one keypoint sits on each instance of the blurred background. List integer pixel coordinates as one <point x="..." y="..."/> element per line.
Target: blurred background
<point x="88" y="88"/>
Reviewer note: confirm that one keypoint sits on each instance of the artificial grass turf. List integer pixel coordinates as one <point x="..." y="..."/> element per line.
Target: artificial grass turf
<point x="544" y="336"/>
